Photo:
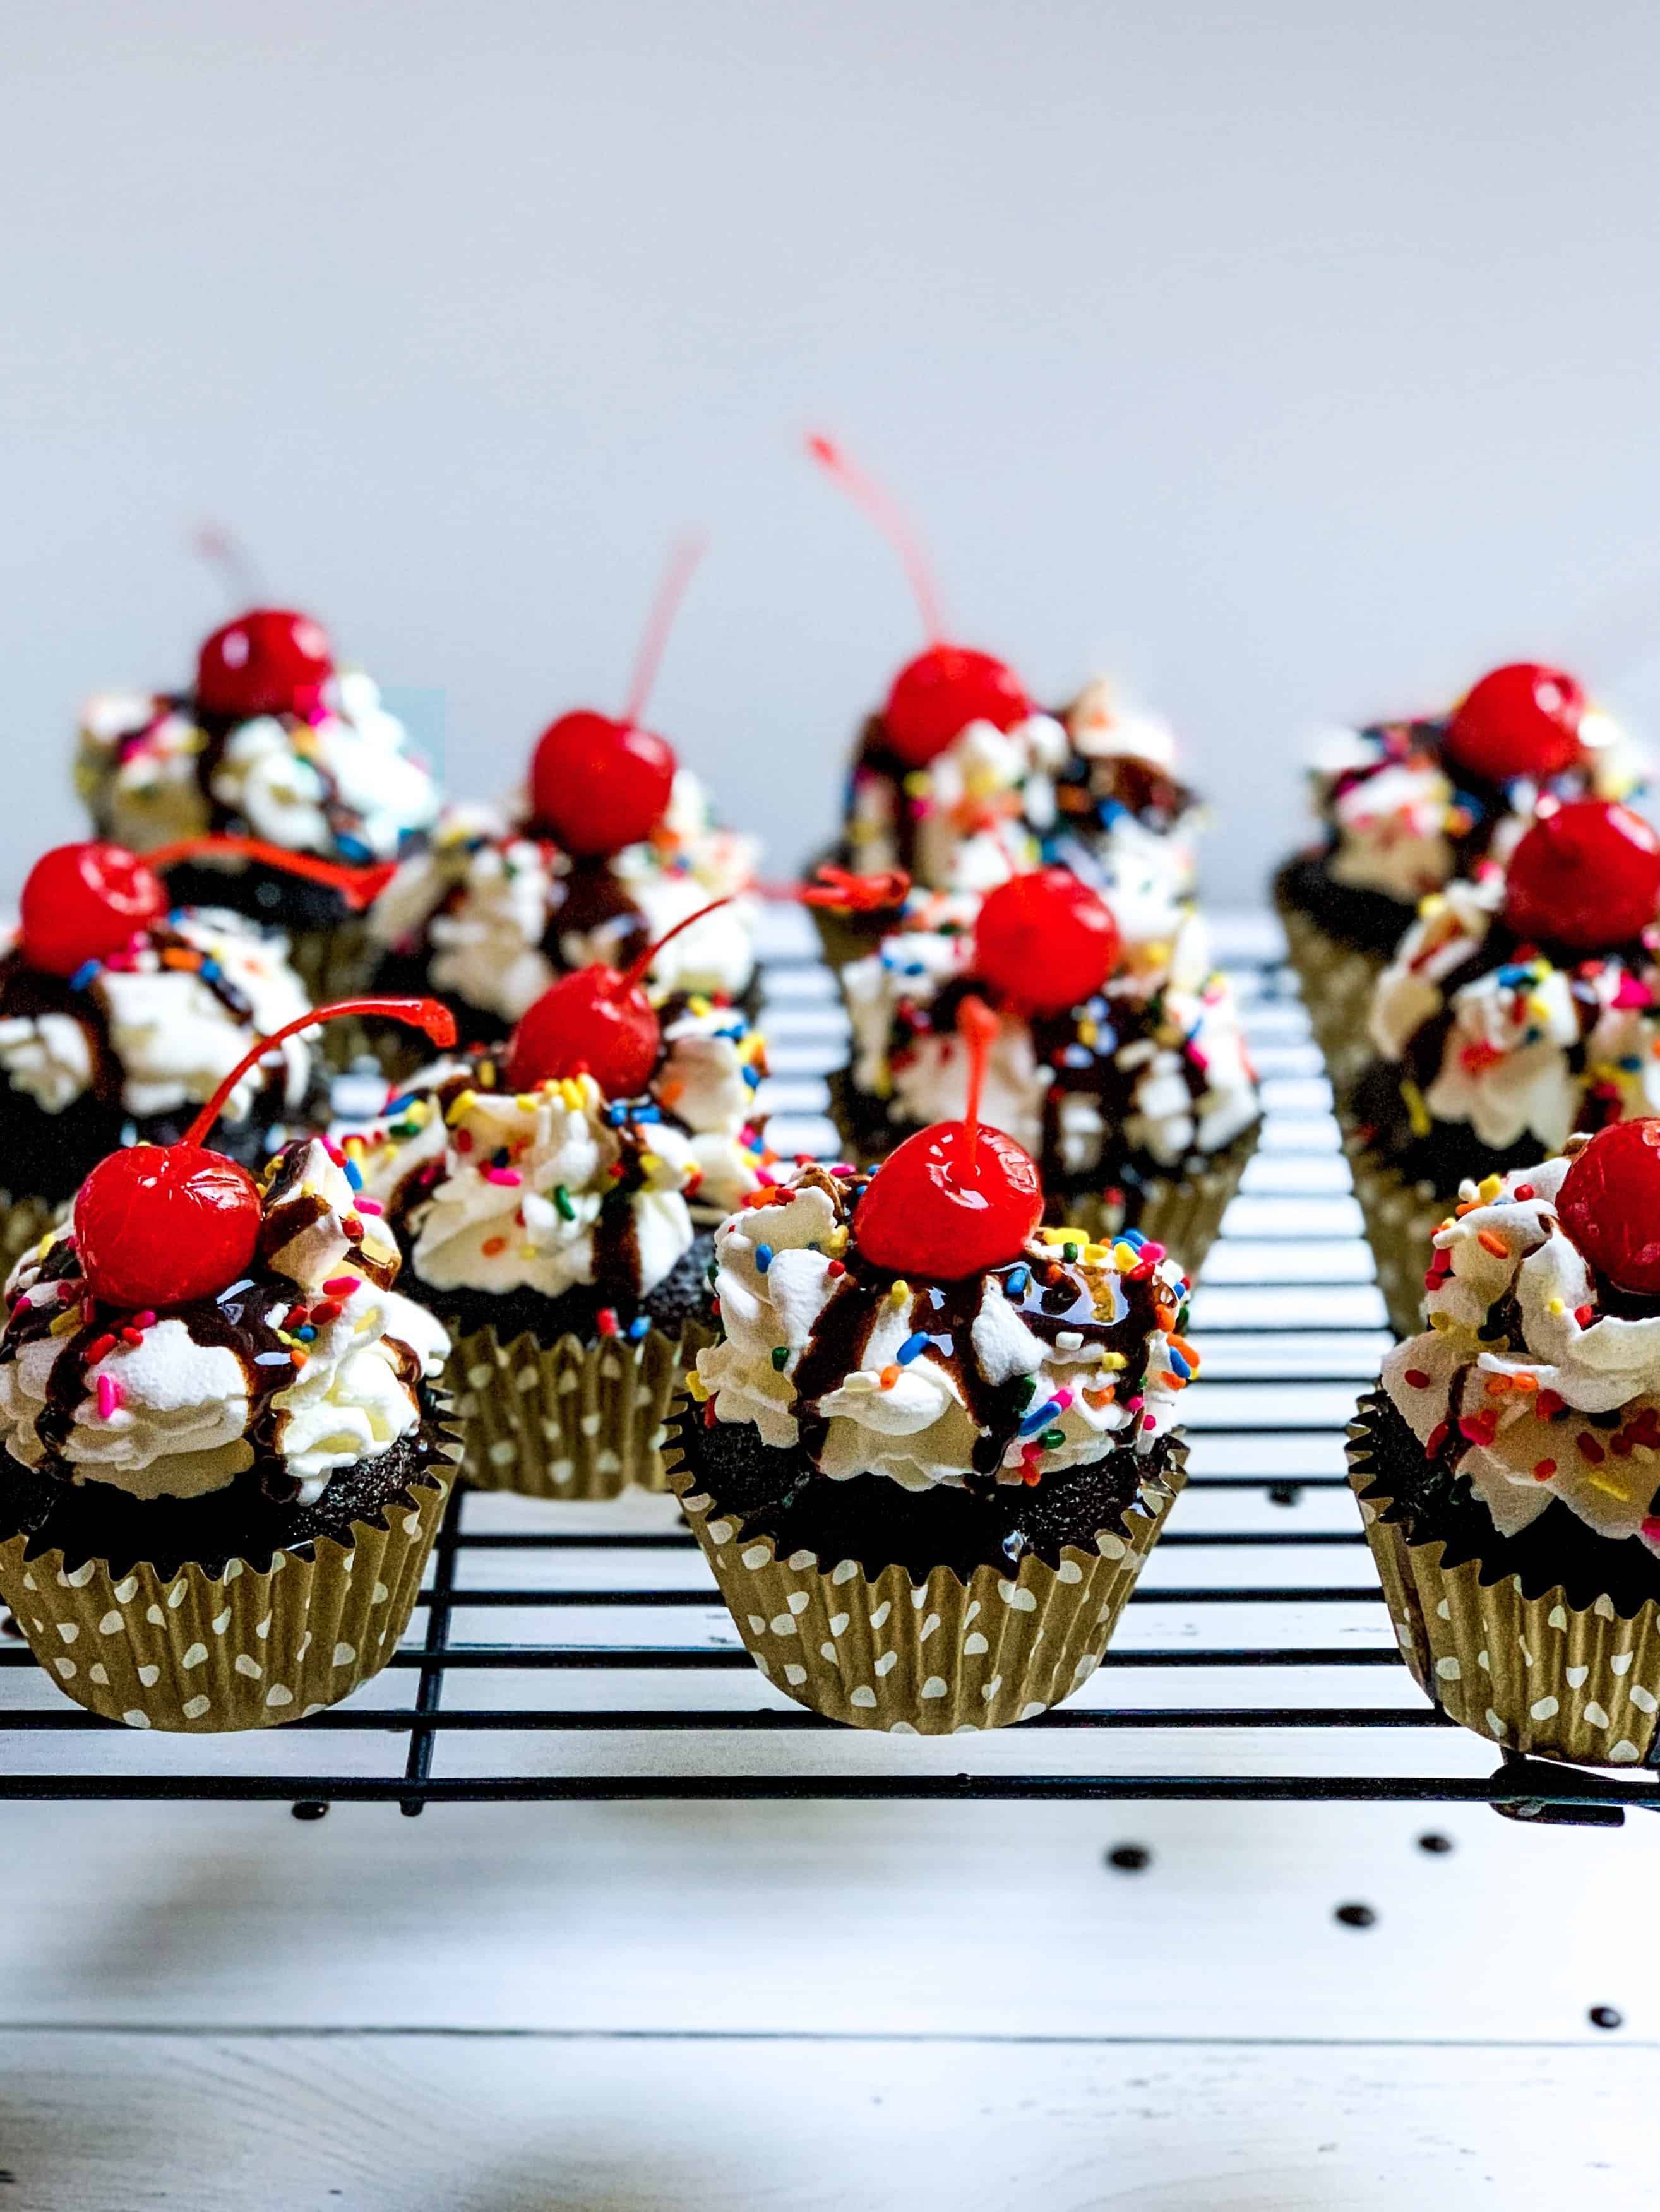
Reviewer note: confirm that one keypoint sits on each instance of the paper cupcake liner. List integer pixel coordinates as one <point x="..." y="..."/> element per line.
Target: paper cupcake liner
<point x="569" y="1419"/>
<point x="23" y="1223"/>
<point x="1401" y="1218"/>
<point x="243" y="1650"/>
<point x="939" y="1658"/>
<point x="1336" y="982"/>
<point x="1533" y="1674"/>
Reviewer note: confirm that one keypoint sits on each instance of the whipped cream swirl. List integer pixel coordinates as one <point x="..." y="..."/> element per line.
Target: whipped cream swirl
<point x="188" y="1401"/>
<point x="969" y="820"/>
<point x="993" y="1379"/>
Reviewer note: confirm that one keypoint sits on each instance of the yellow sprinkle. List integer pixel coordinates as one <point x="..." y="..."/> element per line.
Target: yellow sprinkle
<point x="899" y="1290"/>
<point x="1608" y="1489"/>
<point x="487" y="1073"/>
<point x="1114" y="1361"/>
<point x="836" y="1243"/>
<point x="696" y="1386"/>
<point x="419" y="1113"/>
<point x="1554" y="1306"/>
<point x="44" y="1245"/>
<point x="1417" y="1113"/>
<point x="527" y="1101"/>
<point x="1442" y="1320"/>
<point x="464" y="1104"/>
<point x="354" y="1148"/>
<point x="528" y="1252"/>
<point x="1094" y="1254"/>
<point x="1087" y="1032"/>
<point x="918" y="784"/>
<point x="1489" y="1188"/>
<point x="65" y="1325"/>
<point x="699" y="1005"/>
<point x="1124" y="1257"/>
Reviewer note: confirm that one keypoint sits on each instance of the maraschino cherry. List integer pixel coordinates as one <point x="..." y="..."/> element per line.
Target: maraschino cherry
<point x="157" y="1225"/>
<point x="1609" y="1204"/>
<point x="268" y="661"/>
<point x="84" y="902"/>
<point x="599" y="783"/>
<point x="1520" y="720"/>
<point x="956" y="1197"/>
<point x="1044" y="942"/>
<point x="1586" y="875"/>
<point x="935" y="696"/>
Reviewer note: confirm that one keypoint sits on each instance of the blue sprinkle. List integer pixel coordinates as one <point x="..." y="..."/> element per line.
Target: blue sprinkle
<point x="354" y="1174"/>
<point x="648" y="1112"/>
<point x="752" y="1077"/>
<point x="1179" y="1365"/>
<point x="272" y="1360"/>
<point x="211" y="971"/>
<point x="353" y="849"/>
<point x="1131" y="1237"/>
<point x="913" y="968"/>
<point x="1018" y="1281"/>
<point x="911" y="1347"/>
<point x="616" y="1115"/>
<point x="638" y="1327"/>
<point x="180" y="915"/>
<point x="83" y="975"/>
<point x="394" y="1107"/>
<point x="732" y="1034"/>
<point x="1630" y="1060"/>
<point x="1110" y="811"/>
<point x="308" y="1334"/>
<point x="762" y="1258"/>
<point x="1040" y="1419"/>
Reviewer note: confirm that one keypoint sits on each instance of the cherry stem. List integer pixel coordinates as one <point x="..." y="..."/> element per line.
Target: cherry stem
<point x="223" y="549"/>
<point x="359" y="887"/>
<point x="677" y="574"/>
<point x="635" y="970"/>
<point x="426" y="1014"/>
<point x="977" y="1026"/>
<point x="856" y="894"/>
<point x="891" y="520"/>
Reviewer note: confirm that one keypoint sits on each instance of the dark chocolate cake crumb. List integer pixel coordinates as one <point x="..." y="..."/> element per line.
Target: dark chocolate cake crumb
<point x="682" y="1295"/>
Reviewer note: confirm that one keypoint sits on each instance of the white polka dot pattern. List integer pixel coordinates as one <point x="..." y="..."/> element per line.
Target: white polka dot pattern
<point x="569" y="1421"/>
<point x="930" y="1660"/>
<point x="243" y="1651"/>
<point x="1535" y="1674"/>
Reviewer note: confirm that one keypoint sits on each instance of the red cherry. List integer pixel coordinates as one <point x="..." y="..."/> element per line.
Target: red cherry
<point x="82" y="902"/>
<point x="1609" y="1204"/>
<point x="1044" y="941"/>
<point x="596" y="1020"/>
<point x="160" y="1224"/>
<point x="952" y="1200"/>
<point x="1587" y="875"/>
<point x="1521" y="720"/>
<point x="936" y="696"/>
<point x="269" y="661"/>
<point x="598" y="784"/>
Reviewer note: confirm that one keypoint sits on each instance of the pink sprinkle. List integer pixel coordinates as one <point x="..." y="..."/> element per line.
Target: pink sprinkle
<point x="1153" y="1252"/>
<point x="1062" y="1400"/>
<point x="1148" y="1421"/>
<point x="333" y="1151"/>
<point x="503" y="1175"/>
<point x="373" y="1204"/>
<point x="145" y="1319"/>
<point x="340" y="1286"/>
<point x="109" y="1397"/>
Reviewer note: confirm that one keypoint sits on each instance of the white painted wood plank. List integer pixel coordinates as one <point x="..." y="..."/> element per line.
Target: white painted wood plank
<point x="104" y="2123"/>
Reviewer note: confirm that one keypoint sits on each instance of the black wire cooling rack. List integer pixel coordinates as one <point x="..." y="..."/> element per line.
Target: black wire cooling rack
<point x="566" y="1651"/>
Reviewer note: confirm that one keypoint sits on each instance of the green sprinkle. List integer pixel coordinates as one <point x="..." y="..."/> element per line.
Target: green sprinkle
<point x="1069" y="1254"/>
<point x="1052" y="1439"/>
<point x="562" y="1201"/>
<point x="781" y="1352"/>
<point x="1027" y="1392"/>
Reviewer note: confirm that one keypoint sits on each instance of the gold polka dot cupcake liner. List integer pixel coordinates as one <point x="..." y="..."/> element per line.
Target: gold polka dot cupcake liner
<point x="567" y="1420"/>
<point x="1336" y="982"/>
<point x="1531" y="1675"/>
<point x="243" y="1650"/>
<point x="1401" y="1218"/>
<point x="942" y="1658"/>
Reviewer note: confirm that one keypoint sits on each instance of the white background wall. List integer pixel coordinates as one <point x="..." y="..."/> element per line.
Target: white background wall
<point x="1295" y="360"/>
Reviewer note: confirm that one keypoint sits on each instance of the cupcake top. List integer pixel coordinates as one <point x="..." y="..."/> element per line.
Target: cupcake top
<point x="274" y="743"/>
<point x="1118" y="787"/>
<point x="1408" y="806"/>
<point x="1069" y="1351"/>
<point x="1527" y="1005"/>
<point x="497" y="909"/>
<point x="150" y="1029"/>
<point x="311" y="1363"/>
<point x="1539" y="1378"/>
<point x="544" y="1189"/>
<point x="967" y="817"/>
<point x="1152" y="1064"/>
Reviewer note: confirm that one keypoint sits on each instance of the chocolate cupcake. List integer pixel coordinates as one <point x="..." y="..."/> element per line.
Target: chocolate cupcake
<point x="1408" y="808"/>
<point x="563" y="1230"/>
<point x="277" y="745"/>
<point x="933" y="1444"/>
<point x="1509" y="1467"/>
<point x="1515" y="1011"/>
<point x="1120" y="1065"/>
<point x="224" y="1462"/>
<point x="119" y="1018"/>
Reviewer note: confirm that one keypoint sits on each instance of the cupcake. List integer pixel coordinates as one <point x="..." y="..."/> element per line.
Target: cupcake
<point x="555" y="1202"/>
<point x="1408" y="808"/>
<point x="119" y="1018"/>
<point x="613" y="846"/>
<point x="277" y="745"/>
<point x="1507" y="1468"/>
<point x="1515" y="1011"/>
<point x="224" y="1460"/>
<point x="933" y="1444"/>
<point x="1119" y="805"/>
<point x="1119" y="1067"/>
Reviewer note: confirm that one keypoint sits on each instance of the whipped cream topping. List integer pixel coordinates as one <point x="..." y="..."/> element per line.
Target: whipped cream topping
<point x="1124" y="821"/>
<point x="1510" y="1043"/>
<point x="1155" y="1065"/>
<point x="1402" y="820"/>
<point x="500" y="911"/>
<point x="342" y="785"/>
<point x="1000" y="1378"/>
<point x="311" y="1364"/>
<point x="966" y="821"/>
<point x="1534" y="1388"/>
<point x="156" y="1028"/>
